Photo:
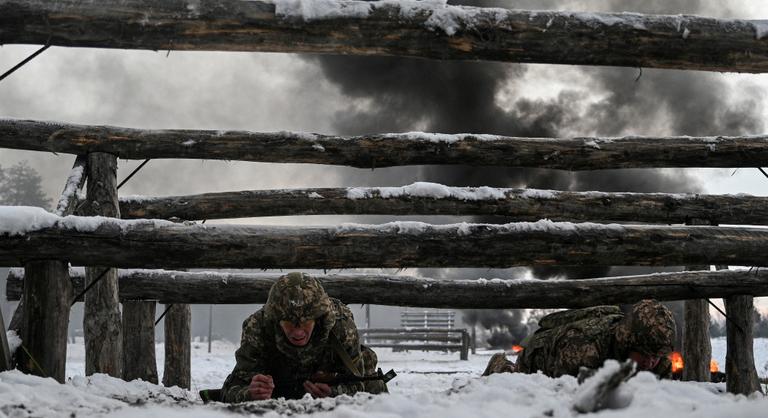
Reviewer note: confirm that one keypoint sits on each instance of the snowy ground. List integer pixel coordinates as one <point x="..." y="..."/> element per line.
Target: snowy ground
<point x="428" y="385"/>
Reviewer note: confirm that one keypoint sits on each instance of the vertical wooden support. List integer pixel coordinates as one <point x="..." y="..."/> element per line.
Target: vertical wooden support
<point x="139" y="341"/>
<point x="5" y="350"/>
<point x="739" y="360"/>
<point x="178" y="338"/>
<point x="47" y="298"/>
<point x="101" y="323"/>
<point x="464" y="355"/>
<point x="474" y="338"/>
<point x="697" y="345"/>
<point x="64" y="207"/>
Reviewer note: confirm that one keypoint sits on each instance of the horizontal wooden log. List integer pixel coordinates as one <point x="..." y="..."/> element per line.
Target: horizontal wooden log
<point x="155" y="244"/>
<point x="425" y="30"/>
<point x="227" y="288"/>
<point x="152" y="243"/>
<point x="414" y="199"/>
<point x="386" y="150"/>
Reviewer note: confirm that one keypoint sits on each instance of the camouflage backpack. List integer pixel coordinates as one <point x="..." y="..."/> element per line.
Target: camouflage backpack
<point x="573" y="315"/>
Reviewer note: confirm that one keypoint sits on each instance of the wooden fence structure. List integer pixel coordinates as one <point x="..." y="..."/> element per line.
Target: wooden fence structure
<point x="423" y="339"/>
<point x="430" y="31"/>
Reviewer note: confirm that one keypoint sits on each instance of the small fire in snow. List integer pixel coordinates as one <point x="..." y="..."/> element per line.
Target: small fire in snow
<point x="517" y="348"/>
<point x="677" y="361"/>
<point x="713" y="366"/>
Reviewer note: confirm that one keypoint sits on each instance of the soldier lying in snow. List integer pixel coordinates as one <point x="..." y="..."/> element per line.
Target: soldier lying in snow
<point x="587" y="337"/>
<point x="299" y="333"/>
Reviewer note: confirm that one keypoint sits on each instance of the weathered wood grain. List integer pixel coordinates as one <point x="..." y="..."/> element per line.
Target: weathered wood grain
<point x="45" y="320"/>
<point x="102" y="324"/>
<point x="427" y="31"/>
<point x="739" y="357"/>
<point x="161" y="244"/>
<point x="697" y="345"/>
<point x="380" y="289"/>
<point x="386" y="150"/>
<point x="65" y="206"/>
<point x="139" y="360"/>
<point x="517" y="204"/>
<point x="178" y="352"/>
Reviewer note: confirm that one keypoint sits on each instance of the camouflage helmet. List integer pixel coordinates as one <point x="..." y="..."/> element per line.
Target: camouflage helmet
<point x="297" y="297"/>
<point x="648" y="327"/>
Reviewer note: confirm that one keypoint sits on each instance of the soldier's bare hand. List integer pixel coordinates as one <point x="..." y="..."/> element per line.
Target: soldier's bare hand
<point x="317" y="390"/>
<point x="261" y="387"/>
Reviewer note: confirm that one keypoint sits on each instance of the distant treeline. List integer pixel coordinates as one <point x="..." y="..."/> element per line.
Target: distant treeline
<point x="760" y="329"/>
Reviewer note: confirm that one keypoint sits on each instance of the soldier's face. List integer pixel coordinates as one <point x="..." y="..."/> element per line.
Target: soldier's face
<point x="644" y="361"/>
<point x="298" y="334"/>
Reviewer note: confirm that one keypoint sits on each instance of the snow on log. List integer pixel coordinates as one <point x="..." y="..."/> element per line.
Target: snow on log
<point x="75" y="182"/>
<point x="387" y="150"/>
<point x="436" y="199"/>
<point x="428" y="29"/>
<point x="381" y="289"/>
<point x="28" y="233"/>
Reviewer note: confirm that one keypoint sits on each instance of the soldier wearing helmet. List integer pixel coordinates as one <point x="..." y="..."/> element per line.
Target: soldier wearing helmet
<point x="299" y="332"/>
<point x="587" y="337"/>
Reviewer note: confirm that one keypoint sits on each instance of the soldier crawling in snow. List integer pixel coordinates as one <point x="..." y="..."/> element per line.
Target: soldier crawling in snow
<point x="587" y="337"/>
<point x="299" y="333"/>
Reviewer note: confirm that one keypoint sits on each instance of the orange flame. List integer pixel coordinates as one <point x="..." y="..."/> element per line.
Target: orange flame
<point x="713" y="366"/>
<point x="517" y="348"/>
<point x="677" y="361"/>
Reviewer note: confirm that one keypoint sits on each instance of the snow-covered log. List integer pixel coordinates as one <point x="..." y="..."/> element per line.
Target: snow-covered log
<point x="437" y="199"/>
<point x="385" y="150"/>
<point x="33" y="234"/>
<point x="416" y="29"/>
<point x="381" y="289"/>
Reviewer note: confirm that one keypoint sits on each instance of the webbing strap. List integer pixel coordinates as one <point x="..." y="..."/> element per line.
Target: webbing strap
<point x="345" y="358"/>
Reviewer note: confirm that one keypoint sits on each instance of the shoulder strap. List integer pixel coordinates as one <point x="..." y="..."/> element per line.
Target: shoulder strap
<point x="345" y="358"/>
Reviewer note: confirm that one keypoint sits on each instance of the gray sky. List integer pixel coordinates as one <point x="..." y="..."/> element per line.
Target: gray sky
<point x="270" y="92"/>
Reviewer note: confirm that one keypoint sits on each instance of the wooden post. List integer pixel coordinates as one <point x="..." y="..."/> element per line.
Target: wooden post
<point x="697" y="346"/>
<point x="210" y="327"/>
<point x="47" y="299"/>
<point x="101" y="320"/>
<point x="464" y="353"/>
<point x="178" y="338"/>
<point x="139" y="341"/>
<point x="474" y="338"/>
<point x="5" y="351"/>
<point x="739" y="359"/>
<point x="57" y="305"/>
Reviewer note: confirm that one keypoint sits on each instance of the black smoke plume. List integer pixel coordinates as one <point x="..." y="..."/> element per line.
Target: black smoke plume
<point x="390" y="94"/>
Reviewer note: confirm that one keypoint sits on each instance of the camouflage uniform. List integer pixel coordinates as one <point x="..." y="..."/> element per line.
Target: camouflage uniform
<point x="264" y="348"/>
<point x="587" y="337"/>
